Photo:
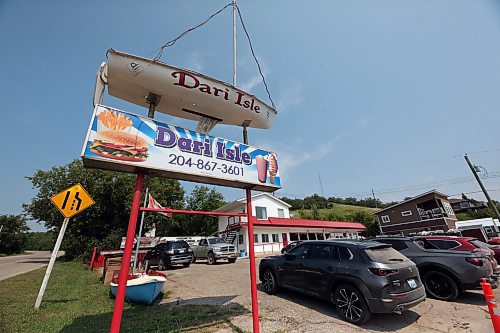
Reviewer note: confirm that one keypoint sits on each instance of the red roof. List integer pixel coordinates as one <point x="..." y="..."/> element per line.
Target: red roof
<point x="284" y="222"/>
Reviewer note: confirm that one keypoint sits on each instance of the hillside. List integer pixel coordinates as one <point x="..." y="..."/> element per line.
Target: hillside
<point x="335" y="212"/>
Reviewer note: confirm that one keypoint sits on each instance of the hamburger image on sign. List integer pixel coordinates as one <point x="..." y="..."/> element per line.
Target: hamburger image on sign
<point x="113" y="142"/>
<point x="120" y="145"/>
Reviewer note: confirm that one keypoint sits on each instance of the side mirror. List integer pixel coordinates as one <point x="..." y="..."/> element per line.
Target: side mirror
<point x="289" y="256"/>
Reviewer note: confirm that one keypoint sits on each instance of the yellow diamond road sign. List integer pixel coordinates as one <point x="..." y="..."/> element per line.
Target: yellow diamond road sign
<point x="72" y="201"/>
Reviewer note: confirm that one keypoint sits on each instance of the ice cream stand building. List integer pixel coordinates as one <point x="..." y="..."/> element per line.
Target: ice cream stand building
<point x="274" y="227"/>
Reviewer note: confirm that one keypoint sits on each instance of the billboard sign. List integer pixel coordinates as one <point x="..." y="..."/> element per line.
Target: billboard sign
<point x="121" y="141"/>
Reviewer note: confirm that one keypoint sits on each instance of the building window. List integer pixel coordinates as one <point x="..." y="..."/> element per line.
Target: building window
<point x="406" y="213"/>
<point x="276" y="238"/>
<point x="464" y="205"/>
<point x="255" y="238"/>
<point x="261" y="213"/>
<point x="303" y="236"/>
<point x="320" y="236"/>
<point x="311" y="236"/>
<point x="281" y="212"/>
<point x="240" y="239"/>
<point x="385" y="219"/>
<point x="294" y="236"/>
<point x="265" y="238"/>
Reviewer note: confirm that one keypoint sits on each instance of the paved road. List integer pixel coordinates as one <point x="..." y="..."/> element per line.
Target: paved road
<point x="15" y="265"/>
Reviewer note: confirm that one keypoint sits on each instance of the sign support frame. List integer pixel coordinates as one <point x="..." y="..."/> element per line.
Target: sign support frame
<point x="127" y="253"/>
<point x="51" y="263"/>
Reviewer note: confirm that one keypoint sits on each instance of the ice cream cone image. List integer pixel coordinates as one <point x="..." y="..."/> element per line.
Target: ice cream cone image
<point x="273" y="167"/>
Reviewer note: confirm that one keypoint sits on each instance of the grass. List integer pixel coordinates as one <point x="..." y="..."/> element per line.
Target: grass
<point x="75" y="301"/>
<point x="339" y="210"/>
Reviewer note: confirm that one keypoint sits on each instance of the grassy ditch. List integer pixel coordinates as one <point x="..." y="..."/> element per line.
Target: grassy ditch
<point x="75" y="301"/>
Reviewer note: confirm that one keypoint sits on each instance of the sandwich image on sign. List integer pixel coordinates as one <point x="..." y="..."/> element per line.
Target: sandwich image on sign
<point x="114" y="142"/>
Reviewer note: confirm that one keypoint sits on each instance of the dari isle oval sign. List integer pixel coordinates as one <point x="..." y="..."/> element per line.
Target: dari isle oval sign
<point x="183" y="93"/>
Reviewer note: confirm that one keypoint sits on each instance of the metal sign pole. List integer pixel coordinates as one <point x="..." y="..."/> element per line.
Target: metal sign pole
<point x="51" y="263"/>
<point x="122" y="279"/>
<point x="140" y="229"/>
<point x="251" y="253"/>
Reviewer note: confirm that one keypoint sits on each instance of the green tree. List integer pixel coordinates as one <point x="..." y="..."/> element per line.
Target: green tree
<point x="12" y="235"/>
<point x="202" y="198"/>
<point x="105" y="222"/>
<point x="40" y="241"/>
<point x="368" y="220"/>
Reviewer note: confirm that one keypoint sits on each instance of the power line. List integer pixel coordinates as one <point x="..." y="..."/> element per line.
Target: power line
<point x="446" y="182"/>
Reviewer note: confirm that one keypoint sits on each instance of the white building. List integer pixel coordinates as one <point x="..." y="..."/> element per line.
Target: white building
<point x="273" y="227"/>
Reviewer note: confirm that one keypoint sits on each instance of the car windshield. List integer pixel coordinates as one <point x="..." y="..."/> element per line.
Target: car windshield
<point x="179" y="245"/>
<point x="215" y="240"/>
<point x="385" y="255"/>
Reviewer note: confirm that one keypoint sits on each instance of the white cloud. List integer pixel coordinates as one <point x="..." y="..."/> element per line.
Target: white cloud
<point x="194" y="61"/>
<point x="290" y="96"/>
<point x="250" y="84"/>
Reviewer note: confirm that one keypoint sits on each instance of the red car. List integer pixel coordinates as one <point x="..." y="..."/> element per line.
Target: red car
<point x="465" y="244"/>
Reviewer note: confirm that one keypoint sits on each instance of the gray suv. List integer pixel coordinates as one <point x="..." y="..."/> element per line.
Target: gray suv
<point x="358" y="277"/>
<point x="445" y="273"/>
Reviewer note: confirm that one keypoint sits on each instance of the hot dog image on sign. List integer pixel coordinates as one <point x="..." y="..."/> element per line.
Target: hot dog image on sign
<point x="123" y="141"/>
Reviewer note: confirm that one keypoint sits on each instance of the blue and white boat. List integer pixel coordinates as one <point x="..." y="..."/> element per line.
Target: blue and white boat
<point x="143" y="289"/>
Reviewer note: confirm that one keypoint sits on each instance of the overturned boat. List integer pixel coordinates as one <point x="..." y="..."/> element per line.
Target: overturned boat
<point x="141" y="288"/>
<point x="179" y="92"/>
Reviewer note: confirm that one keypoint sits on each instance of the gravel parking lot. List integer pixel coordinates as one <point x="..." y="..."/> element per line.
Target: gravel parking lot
<point x="226" y="284"/>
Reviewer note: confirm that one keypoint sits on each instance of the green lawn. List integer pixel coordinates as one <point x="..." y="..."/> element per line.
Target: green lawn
<point x="75" y="301"/>
<point x="337" y="209"/>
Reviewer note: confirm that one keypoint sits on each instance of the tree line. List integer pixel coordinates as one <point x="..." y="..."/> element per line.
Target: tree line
<point x="104" y="223"/>
<point x="320" y="202"/>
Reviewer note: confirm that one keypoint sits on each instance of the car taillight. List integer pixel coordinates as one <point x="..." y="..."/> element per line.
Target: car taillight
<point x="170" y="251"/>
<point x="475" y="261"/>
<point x="383" y="271"/>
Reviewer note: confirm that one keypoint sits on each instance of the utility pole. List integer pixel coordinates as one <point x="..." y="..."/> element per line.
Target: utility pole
<point x="321" y="185"/>
<point x="492" y="205"/>
<point x="373" y="193"/>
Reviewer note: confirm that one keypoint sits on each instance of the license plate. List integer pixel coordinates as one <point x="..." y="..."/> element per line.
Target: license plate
<point x="182" y="250"/>
<point x="412" y="283"/>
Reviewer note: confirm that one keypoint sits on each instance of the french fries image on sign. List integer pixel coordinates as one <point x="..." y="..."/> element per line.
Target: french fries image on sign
<point x="116" y="144"/>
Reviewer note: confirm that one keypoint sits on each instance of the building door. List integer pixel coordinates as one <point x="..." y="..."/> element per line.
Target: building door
<point x="284" y="236"/>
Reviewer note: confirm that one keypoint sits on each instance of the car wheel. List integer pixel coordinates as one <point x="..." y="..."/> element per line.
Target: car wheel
<point x="186" y="264"/>
<point x="269" y="282"/>
<point x="351" y="303"/>
<point x="161" y="265"/>
<point x="211" y="259"/>
<point x="231" y="260"/>
<point x="193" y="259"/>
<point x="440" y="286"/>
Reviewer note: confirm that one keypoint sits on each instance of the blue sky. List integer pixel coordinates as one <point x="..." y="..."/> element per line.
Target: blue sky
<point x="381" y="94"/>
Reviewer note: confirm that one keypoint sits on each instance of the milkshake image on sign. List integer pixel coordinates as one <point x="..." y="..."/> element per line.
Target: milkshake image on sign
<point x="261" y="168"/>
<point x="273" y="167"/>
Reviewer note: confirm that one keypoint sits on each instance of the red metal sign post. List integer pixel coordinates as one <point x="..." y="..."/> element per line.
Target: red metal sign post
<point x="251" y="252"/>
<point x="122" y="279"/>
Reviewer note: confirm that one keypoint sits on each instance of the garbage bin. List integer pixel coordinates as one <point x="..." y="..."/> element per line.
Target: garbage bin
<point x="243" y="253"/>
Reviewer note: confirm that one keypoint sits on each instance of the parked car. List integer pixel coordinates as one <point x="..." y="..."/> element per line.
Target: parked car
<point x="445" y="273"/>
<point x="466" y="244"/>
<point x="290" y="246"/>
<point x="358" y="277"/>
<point x="165" y="255"/>
<point x="213" y="249"/>
<point x="494" y="241"/>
